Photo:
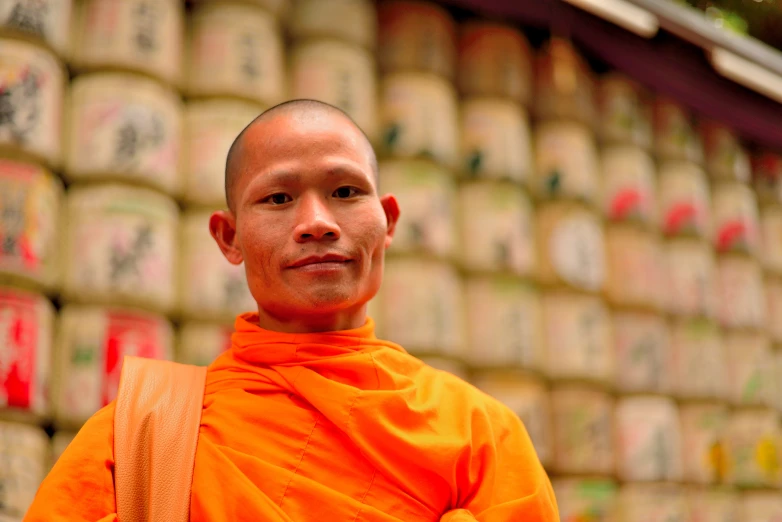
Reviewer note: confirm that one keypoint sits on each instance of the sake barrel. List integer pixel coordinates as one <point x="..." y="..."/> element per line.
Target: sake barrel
<point x="418" y="118"/>
<point x="421" y="306"/>
<point x="200" y="342"/>
<point x="624" y="112"/>
<point x="137" y="35"/>
<point x="416" y="36"/>
<point x="735" y="218"/>
<point x="714" y="505"/>
<point x="126" y="128"/>
<point x="698" y="360"/>
<point x="578" y="337"/>
<point x="235" y="50"/>
<point x="60" y="442"/>
<point x="753" y="446"/>
<point x="32" y="81"/>
<point x="528" y="398"/>
<point x="692" y="278"/>
<point x="26" y="334"/>
<point x="352" y="21"/>
<point x="210" y="128"/>
<point x="24" y="452"/>
<point x="674" y="133"/>
<point x="685" y="205"/>
<point x="570" y="246"/>
<point x="740" y="295"/>
<point x="448" y="365"/>
<point x="92" y="343"/>
<point x="648" y="441"/>
<point x="428" y="198"/>
<point x="504" y="323"/>
<point x="210" y="287"/>
<point x="29" y="225"/>
<point x="496" y="228"/>
<point x="635" y="275"/>
<point x="749" y="363"/>
<point x="495" y="60"/>
<point x="585" y="499"/>
<point x="119" y="246"/>
<point x="725" y="156"/>
<point x="339" y="74"/>
<point x="642" y="344"/>
<point x="767" y="177"/>
<point x="583" y="438"/>
<point x="564" y="86"/>
<point x="628" y="185"/>
<point x="47" y="21"/>
<point x="566" y="162"/>
<point x="761" y="506"/>
<point x="495" y="140"/>
<point x="652" y="503"/>
<point x="703" y="426"/>
<point x="771" y="238"/>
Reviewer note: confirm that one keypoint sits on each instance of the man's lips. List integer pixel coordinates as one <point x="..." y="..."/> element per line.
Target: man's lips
<point x="320" y="260"/>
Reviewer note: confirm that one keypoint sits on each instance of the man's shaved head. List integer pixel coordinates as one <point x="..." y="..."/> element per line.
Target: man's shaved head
<point x="299" y="108"/>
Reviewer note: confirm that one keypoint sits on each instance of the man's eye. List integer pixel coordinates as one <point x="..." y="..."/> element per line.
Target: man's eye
<point x="279" y="199"/>
<point x="345" y="192"/>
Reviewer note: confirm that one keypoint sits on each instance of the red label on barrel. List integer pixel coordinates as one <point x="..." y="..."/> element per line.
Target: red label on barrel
<point x="127" y="335"/>
<point x="18" y="342"/>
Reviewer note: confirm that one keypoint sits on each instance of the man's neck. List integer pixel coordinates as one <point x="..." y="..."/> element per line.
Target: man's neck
<point x="343" y="320"/>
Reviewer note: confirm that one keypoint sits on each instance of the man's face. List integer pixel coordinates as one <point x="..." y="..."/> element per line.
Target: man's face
<point x="309" y="224"/>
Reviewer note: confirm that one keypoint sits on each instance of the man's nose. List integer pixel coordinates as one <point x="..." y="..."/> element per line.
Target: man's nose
<point x="315" y="221"/>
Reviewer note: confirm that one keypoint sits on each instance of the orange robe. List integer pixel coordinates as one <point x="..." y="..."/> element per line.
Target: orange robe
<point x="336" y="427"/>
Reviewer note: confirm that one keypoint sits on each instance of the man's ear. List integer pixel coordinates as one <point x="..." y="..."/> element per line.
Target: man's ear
<point x="391" y="208"/>
<point x="222" y="226"/>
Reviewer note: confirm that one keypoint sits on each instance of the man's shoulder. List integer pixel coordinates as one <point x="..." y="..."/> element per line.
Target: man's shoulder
<point x="461" y="394"/>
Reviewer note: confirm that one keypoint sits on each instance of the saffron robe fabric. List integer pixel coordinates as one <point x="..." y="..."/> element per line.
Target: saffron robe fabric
<point x="328" y="427"/>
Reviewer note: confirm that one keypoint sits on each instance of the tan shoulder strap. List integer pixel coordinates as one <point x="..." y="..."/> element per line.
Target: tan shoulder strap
<point x="156" y="424"/>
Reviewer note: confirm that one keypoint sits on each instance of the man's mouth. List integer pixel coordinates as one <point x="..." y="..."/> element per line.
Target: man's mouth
<point x="321" y="262"/>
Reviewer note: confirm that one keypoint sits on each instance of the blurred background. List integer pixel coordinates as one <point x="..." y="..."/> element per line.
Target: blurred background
<point x="591" y="220"/>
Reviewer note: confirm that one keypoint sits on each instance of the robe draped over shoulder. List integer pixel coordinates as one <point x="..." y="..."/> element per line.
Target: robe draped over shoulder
<point x="328" y="426"/>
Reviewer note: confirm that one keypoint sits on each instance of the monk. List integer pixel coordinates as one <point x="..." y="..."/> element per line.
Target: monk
<point x="309" y="416"/>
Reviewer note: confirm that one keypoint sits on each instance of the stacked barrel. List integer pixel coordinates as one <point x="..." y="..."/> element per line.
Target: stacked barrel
<point x="33" y="45"/>
<point x="122" y="143"/>
<point x="420" y="303"/>
<point x="498" y="252"/>
<point x="332" y="57"/>
<point x="573" y="272"/>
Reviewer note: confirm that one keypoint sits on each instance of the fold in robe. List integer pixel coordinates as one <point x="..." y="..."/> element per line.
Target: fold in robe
<point x="328" y="427"/>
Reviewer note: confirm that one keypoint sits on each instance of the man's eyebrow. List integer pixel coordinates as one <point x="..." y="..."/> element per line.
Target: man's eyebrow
<point x="352" y="170"/>
<point x="280" y="176"/>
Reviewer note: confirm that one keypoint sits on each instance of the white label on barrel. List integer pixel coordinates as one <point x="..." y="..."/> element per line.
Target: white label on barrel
<point x="496" y="228"/>
<point x="642" y="343"/>
<point x="577" y="251"/>
<point x="578" y="337"/>
<point x="32" y="85"/>
<point x="48" y="20"/>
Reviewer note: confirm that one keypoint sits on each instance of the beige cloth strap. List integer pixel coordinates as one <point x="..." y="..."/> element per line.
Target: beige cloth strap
<point x="156" y="424"/>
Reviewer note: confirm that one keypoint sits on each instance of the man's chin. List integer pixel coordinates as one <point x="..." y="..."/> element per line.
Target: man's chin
<point x="329" y="299"/>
